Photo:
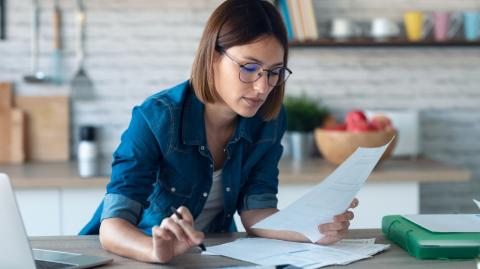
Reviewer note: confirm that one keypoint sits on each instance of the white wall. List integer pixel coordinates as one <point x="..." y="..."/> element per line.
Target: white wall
<point x="138" y="47"/>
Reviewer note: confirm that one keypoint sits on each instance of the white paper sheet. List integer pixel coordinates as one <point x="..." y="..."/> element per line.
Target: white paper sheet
<point x="447" y="223"/>
<point x="265" y="251"/>
<point x="253" y="249"/>
<point x="329" y="198"/>
<point x="365" y="247"/>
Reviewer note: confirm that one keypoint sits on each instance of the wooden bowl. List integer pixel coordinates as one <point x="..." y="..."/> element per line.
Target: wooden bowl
<point x="337" y="146"/>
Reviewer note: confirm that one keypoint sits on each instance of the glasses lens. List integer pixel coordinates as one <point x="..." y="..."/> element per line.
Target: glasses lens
<point x="249" y="72"/>
<point x="278" y="76"/>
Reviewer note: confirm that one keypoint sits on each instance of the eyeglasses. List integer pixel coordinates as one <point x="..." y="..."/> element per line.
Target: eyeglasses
<point x="251" y="72"/>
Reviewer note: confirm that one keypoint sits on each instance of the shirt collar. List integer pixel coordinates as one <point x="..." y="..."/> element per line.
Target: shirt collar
<point x="193" y="123"/>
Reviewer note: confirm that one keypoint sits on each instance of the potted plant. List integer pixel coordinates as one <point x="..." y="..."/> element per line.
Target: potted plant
<point x="303" y="115"/>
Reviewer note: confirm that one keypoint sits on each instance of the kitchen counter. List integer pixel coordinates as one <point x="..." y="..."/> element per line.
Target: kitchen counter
<point x="56" y="190"/>
<point x="53" y="175"/>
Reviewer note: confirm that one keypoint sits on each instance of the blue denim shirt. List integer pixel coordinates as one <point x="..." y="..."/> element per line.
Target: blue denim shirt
<point x="163" y="160"/>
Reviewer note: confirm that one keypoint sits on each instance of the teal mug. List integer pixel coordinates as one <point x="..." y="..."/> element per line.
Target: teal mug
<point x="471" y="25"/>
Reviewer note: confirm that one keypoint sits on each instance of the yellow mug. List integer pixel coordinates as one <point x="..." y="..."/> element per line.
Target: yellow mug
<point x="417" y="25"/>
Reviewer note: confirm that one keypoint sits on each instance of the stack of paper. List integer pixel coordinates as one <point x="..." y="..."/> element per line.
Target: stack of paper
<point x="274" y="252"/>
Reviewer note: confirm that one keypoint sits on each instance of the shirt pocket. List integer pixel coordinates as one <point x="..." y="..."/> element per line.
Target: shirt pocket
<point x="171" y="189"/>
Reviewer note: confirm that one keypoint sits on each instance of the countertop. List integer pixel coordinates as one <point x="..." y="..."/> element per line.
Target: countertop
<point x="312" y="171"/>
<point x="394" y="257"/>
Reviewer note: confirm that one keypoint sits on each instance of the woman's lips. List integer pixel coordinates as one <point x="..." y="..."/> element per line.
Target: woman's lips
<point x="253" y="101"/>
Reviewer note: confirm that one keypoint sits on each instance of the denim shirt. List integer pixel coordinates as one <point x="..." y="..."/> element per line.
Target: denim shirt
<point x="163" y="160"/>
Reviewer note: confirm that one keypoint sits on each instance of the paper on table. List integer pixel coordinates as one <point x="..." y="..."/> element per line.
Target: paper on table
<point x="329" y="198"/>
<point x="253" y="249"/>
<point x="360" y="246"/>
<point x="265" y="251"/>
<point x="447" y="223"/>
<point x="476" y="202"/>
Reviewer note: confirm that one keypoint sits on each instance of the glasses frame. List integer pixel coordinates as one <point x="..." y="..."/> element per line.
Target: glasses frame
<point x="259" y="74"/>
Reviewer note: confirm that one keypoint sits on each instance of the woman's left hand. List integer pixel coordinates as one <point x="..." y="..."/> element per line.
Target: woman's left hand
<point x="336" y="230"/>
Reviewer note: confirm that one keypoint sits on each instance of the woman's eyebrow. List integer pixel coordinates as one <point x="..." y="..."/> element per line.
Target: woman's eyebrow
<point x="258" y="61"/>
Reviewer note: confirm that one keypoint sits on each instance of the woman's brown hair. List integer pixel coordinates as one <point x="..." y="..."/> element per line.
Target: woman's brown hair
<point x="235" y="23"/>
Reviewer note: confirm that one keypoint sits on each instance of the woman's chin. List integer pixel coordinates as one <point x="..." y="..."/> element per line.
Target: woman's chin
<point x="247" y="113"/>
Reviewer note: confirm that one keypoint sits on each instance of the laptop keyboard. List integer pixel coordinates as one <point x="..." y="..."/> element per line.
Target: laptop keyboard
<point x="50" y="265"/>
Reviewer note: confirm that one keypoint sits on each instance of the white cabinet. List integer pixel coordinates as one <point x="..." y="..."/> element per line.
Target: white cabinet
<point x="78" y="207"/>
<point x="377" y="199"/>
<point x="40" y="210"/>
<point x="57" y="211"/>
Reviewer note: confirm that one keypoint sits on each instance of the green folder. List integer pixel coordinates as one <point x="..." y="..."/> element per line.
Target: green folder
<point x="424" y="244"/>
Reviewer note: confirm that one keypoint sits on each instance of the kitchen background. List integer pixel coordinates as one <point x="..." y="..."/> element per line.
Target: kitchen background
<point x="137" y="47"/>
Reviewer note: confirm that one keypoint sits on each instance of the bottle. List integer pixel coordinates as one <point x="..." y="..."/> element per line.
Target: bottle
<point x="87" y="152"/>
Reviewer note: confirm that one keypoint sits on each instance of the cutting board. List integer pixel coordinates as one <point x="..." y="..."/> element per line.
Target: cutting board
<point x="47" y="121"/>
<point x="5" y="106"/>
<point x="12" y="128"/>
<point x="4" y="135"/>
<point x="17" y="136"/>
<point x="5" y="95"/>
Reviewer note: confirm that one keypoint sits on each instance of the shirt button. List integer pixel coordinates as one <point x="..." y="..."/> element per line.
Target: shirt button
<point x="211" y="165"/>
<point x="202" y="148"/>
<point x="173" y="189"/>
<point x="227" y="189"/>
<point x="228" y="215"/>
<point x="205" y="194"/>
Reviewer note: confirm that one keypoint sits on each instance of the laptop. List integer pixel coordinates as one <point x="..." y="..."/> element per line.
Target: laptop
<point x="15" y="251"/>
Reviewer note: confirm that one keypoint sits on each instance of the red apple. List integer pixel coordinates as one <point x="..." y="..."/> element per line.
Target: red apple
<point x="362" y="127"/>
<point x="356" y="120"/>
<point x="381" y="122"/>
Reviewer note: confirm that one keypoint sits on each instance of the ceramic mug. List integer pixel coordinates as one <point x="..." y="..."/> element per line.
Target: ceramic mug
<point x="471" y="25"/>
<point x="342" y="29"/>
<point x="383" y="28"/>
<point x="445" y="25"/>
<point x="417" y="25"/>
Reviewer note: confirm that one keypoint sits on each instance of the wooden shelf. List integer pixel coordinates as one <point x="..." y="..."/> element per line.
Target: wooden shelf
<point x="387" y="43"/>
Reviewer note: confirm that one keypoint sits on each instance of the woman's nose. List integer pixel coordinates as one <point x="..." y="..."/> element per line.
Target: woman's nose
<point x="261" y="85"/>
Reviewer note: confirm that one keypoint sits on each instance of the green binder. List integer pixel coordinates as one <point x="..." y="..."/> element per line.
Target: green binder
<point x="424" y="244"/>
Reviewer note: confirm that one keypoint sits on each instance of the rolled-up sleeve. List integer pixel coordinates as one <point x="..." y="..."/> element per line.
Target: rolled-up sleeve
<point x="120" y="206"/>
<point x="262" y="184"/>
<point x="134" y="169"/>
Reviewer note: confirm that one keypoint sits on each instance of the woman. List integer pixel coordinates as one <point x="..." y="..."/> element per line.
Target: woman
<point x="209" y="146"/>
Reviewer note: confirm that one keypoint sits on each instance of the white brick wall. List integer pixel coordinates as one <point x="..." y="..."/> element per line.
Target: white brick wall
<point x="136" y="47"/>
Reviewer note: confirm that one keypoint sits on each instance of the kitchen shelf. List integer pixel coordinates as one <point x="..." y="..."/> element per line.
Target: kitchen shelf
<point x="387" y="43"/>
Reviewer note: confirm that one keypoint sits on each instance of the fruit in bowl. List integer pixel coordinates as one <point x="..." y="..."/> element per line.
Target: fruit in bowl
<point x="337" y="142"/>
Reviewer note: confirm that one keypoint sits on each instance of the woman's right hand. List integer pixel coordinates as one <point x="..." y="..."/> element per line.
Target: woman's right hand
<point x="174" y="236"/>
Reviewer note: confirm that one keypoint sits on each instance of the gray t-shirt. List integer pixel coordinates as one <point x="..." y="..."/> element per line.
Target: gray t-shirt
<point x="214" y="203"/>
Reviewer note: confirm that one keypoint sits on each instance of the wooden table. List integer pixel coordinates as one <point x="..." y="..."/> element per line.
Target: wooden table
<point x="392" y="258"/>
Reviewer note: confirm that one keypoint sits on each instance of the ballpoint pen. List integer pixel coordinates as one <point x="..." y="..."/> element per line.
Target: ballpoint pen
<point x="179" y="216"/>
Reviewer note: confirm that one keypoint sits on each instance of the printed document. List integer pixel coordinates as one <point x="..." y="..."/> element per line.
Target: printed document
<point x="329" y="198"/>
<point x="265" y="251"/>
